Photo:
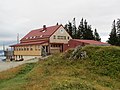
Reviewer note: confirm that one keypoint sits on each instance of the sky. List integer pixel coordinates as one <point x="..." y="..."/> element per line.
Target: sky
<point x="22" y="16"/>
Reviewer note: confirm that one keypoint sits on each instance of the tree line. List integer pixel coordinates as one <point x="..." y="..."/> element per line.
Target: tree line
<point x="82" y="31"/>
<point x="114" y="38"/>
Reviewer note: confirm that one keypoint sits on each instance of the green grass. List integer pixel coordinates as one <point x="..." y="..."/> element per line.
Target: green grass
<point x="16" y="80"/>
<point x="99" y="71"/>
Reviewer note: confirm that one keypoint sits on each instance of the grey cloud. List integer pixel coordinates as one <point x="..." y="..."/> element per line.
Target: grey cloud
<point x="21" y="16"/>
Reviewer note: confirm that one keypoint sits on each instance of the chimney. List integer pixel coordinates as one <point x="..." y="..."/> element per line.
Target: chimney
<point x="44" y="27"/>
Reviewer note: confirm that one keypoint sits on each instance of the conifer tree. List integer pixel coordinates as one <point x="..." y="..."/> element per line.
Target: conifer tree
<point x="90" y="33"/>
<point x="66" y="27"/>
<point x="96" y="36"/>
<point x="80" y="30"/>
<point x="118" y="32"/>
<point x="74" y="29"/>
<point x="85" y="30"/>
<point x="113" y="35"/>
<point x="70" y="29"/>
<point x="87" y="33"/>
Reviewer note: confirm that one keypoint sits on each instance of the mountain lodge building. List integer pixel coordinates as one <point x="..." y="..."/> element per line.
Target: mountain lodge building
<point x="40" y="42"/>
<point x="48" y="40"/>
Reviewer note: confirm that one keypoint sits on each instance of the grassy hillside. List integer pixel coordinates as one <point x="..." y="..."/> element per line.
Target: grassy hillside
<point x="100" y="70"/>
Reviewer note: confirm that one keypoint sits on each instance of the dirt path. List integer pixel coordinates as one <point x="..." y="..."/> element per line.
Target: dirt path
<point x="7" y="65"/>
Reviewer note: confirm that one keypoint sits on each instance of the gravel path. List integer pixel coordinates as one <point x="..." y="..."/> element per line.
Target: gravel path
<point x="7" y="65"/>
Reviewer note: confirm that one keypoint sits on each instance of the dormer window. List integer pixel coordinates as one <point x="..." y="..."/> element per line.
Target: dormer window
<point x="43" y="31"/>
<point x="40" y="35"/>
<point x="34" y="37"/>
<point x="30" y="37"/>
<point x="26" y="37"/>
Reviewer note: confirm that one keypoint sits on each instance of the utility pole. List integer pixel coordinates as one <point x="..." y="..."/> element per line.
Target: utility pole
<point x="3" y="47"/>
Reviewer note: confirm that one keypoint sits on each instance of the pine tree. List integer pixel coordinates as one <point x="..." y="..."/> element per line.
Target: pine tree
<point x="96" y="36"/>
<point x="80" y="30"/>
<point x="90" y="33"/>
<point x="70" y="29"/>
<point x="74" y="29"/>
<point x="66" y="27"/>
<point x="87" y="33"/>
<point x="118" y="32"/>
<point x="85" y="30"/>
<point x="113" y="35"/>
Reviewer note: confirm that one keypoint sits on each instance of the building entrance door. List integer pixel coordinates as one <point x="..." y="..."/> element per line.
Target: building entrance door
<point x="44" y="50"/>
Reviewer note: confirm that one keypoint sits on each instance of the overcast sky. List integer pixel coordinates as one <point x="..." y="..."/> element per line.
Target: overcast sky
<point x="21" y="16"/>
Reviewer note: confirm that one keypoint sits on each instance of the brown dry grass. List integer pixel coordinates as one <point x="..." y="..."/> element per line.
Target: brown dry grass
<point x="11" y="72"/>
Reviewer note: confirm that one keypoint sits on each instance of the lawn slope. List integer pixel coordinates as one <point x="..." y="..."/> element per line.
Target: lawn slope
<point x="100" y="70"/>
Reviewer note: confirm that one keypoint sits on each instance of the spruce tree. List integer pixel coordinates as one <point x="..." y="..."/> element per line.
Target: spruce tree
<point x="118" y="32"/>
<point x="70" y="29"/>
<point x="89" y="33"/>
<point x="85" y="30"/>
<point x="66" y="27"/>
<point x="74" y="29"/>
<point x="80" y="30"/>
<point x="113" y="35"/>
<point x="96" y="36"/>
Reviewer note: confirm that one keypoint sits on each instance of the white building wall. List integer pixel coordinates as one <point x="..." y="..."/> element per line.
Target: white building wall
<point x="60" y="32"/>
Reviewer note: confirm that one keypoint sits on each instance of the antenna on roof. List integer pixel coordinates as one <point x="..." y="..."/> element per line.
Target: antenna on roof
<point x="17" y="37"/>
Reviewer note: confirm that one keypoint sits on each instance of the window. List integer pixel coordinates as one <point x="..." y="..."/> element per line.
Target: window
<point x="21" y="49"/>
<point x="27" y="49"/>
<point x="61" y="37"/>
<point x="26" y="37"/>
<point x="40" y="35"/>
<point x="31" y="49"/>
<point x="59" y="45"/>
<point x="24" y="49"/>
<point x="36" y="47"/>
<point x="55" y="45"/>
<point x="54" y="37"/>
<point x="61" y="31"/>
<point x="30" y="37"/>
<point x="68" y="38"/>
<point x="34" y="37"/>
<point x="43" y="31"/>
<point x="64" y="37"/>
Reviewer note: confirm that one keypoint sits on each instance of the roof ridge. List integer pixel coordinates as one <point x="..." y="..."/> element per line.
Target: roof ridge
<point x="46" y="27"/>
